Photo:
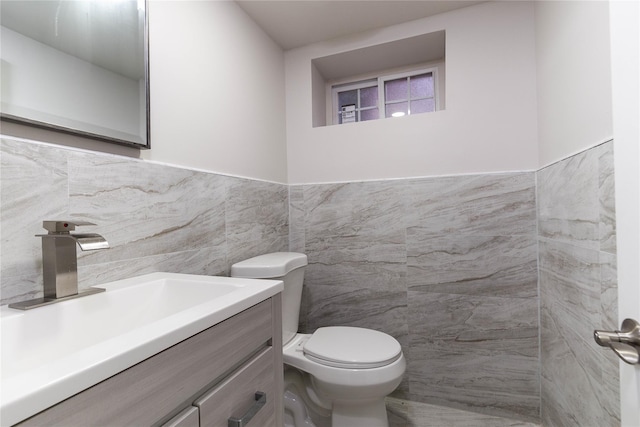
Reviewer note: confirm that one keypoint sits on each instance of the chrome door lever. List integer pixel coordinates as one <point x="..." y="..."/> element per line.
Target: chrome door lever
<point x="625" y="342"/>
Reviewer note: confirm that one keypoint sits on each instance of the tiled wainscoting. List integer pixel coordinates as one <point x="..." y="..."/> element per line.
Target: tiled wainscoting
<point x="450" y="267"/>
<point x="578" y="290"/>
<point x="492" y="283"/>
<point x="446" y="265"/>
<point x="406" y="413"/>
<point x="155" y="217"/>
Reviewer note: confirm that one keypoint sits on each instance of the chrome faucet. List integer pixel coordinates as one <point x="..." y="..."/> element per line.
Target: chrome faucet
<point x="60" y="263"/>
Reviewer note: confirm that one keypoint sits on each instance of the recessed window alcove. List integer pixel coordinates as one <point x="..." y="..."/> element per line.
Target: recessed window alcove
<point x="371" y="67"/>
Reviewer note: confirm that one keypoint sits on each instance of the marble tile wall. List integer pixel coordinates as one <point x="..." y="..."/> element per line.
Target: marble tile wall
<point x="447" y="265"/>
<point x="155" y="217"/>
<point x="578" y="290"/>
<point x="403" y="413"/>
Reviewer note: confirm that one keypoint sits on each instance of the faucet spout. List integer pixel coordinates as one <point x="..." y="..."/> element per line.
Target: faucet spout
<point x="90" y="242"/>
<point x="60" y="262"/>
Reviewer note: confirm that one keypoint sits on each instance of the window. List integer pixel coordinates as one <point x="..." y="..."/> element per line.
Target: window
<point x="361" y="98"/>
<point x="387" y="96"/>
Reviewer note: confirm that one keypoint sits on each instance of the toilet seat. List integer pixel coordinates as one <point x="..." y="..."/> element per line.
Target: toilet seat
<point x="351" y="348"/>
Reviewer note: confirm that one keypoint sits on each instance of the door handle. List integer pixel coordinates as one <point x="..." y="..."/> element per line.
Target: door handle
<point x="625" y="342"/>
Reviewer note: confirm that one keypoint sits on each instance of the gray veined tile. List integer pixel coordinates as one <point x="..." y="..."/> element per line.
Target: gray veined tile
<point x="145" y="209"/>
<point x="357" y="268"/>
<point x="570" y="285"/>
<point x="354" y="209"/>
<point x="568" y="202"/>
<point x="417" y="414"/>
<point x="608" y="291"/>
<point x="296" y="219"/>
<point x="500" y="204"/>
<point x="33" y="188"/>
<point x="573" y="392"/>
<point x="348" y="306"/>
<point x="21" y="288"/>
<point x="257" y="218"/>
<point x="501" y="385"/>
<point x="473" y="324"/>
<point x="607" y="199"/>
<point x="475" y="265"/>
<point x="208" y="261"/>
<point x="474" y="352"/>
<point x="388" y="247"/>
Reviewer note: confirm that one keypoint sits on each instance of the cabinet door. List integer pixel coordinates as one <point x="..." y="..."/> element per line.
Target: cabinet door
<point x="236" y="395"/>
<point x="143" y="394"/>
<point x="187" y="418"/>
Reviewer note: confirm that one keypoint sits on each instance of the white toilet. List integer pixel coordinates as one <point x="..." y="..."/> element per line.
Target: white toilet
<point x="349" y="370"/>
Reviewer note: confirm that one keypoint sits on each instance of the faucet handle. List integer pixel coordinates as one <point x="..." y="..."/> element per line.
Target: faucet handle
<point x="63" y="226"/>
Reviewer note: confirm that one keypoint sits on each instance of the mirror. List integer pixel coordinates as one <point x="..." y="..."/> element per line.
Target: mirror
<point x="77" y="66"/>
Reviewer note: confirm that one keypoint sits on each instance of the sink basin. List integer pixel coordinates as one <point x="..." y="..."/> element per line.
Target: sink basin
<point x="53" y="352"/>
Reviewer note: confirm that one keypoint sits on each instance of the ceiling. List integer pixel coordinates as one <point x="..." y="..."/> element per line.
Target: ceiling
<point x="298" y="23"/>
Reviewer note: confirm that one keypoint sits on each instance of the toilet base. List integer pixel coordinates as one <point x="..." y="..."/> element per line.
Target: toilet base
<point x="370" y="413"/>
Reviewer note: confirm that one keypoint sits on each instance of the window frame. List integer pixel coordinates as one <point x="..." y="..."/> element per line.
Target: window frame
<point x="361" y="84"/>
<point x="380" y="81"/>
<point x="383" y="79"/>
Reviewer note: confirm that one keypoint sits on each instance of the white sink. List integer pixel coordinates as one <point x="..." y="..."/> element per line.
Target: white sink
<point x="53" y="352"/>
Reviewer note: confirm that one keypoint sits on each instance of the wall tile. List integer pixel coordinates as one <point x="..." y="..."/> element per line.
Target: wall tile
<point x="607" y="199"/>
<point x="568" y="200"/>
<point x="578" y="290"/>
<point x="155" y="217"/>
<point x="401" y="256"/>
<point x="144" y="209"/>
<point x="256" y="218"/>
<point x="404" y="413"/>
<point x="446" y="265"/>
<point x="494" y="204"/>
<point x="469" y="264"/>
<point x="296" y="218"/>
<point x="34" y="188"/>
<point x="475" y="352"/>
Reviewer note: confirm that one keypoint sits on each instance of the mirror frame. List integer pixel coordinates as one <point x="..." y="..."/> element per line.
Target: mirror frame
<point x="78" y="132"/>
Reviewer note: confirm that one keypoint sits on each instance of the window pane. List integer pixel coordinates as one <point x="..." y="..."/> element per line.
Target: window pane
<point x="369" y="97"/>
<point x="423" y="106"/>
<point x="398" y="108"/>
<point x="395" y="90"/>
<point x="371" y="114"/>
<point x="349" y="97"/>
<point x="422" y="86"/>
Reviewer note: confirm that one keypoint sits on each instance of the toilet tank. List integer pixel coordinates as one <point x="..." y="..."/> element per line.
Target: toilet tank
<point x="286" y="266"/>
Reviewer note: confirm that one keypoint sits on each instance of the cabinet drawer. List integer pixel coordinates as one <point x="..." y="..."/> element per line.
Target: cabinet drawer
<point x="187" y="418"/>
<point x="236" y="395"/>
<point x="145" y="393"/>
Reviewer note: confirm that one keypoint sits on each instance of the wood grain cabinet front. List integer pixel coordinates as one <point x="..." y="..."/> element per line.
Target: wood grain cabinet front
<point x="215" y="375"/>
<point x="245" y="397"/>
<point x="190" y="417"/>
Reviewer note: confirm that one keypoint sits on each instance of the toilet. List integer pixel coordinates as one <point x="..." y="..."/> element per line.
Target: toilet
<point x="346" y="371"/>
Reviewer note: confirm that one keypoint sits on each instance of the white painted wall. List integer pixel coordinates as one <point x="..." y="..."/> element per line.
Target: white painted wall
<point x="574" y="77"/>
<point x="489" y="123"/>
<point x="217" y="91"/>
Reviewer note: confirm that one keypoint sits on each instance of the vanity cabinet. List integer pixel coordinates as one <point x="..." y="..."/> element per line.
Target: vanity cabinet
<point x="227" y="371"/>
<point x="190" y="417"/>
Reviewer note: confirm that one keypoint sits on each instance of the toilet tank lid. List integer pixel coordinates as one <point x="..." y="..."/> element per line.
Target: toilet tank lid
<point x="268" y="266"/>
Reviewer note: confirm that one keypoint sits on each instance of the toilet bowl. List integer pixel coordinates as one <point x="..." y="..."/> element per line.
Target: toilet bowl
<point x="351" y="370"/>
